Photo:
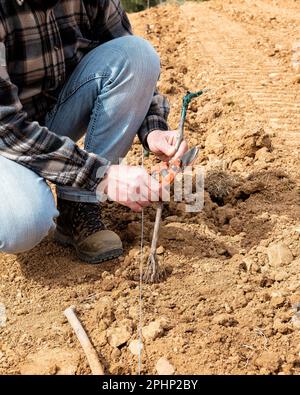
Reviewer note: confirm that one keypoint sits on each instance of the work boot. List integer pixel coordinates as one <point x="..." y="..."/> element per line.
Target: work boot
<point x="80" y="225"/>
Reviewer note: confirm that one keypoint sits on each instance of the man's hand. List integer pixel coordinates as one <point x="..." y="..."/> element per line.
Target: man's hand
<point x="162" y="143"/>
<point x="130" y="186"/>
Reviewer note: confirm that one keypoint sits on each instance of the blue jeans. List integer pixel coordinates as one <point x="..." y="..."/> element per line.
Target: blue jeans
<point x="106" y="99"/>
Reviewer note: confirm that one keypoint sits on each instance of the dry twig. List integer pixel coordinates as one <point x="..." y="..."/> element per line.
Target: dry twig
<point x="87" y="346"/>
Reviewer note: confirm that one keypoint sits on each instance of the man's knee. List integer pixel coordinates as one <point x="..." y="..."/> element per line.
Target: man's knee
<point x="142" y="56"/>
<point x="22" y="228"/>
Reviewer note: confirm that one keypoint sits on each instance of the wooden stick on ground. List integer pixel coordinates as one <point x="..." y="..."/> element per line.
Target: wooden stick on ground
<point x="87" y="346"/>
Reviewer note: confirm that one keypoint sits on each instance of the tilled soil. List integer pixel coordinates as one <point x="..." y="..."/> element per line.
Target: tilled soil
<point x="231" y="301"/>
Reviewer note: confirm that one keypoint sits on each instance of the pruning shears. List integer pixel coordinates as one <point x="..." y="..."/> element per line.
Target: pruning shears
<point x="165" y="173"/>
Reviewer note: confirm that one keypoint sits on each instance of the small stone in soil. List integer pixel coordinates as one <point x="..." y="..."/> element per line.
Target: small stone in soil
<point x="277" y="301"/>
<point x="116" y="353"/>
<point x="153" y="330"/>
<point x="279" y="254"/>
<point x="268" y="360"/>
<point x="296" y="321"/>
<point x="118" y="336"/>
<point x="2" y="315"/>
<point x="224" y="319"/>
<point x="160" y="250"/>
<point x="163" y="367"/>
<point x="135" y="347"/>
<point x="108" y="284"/>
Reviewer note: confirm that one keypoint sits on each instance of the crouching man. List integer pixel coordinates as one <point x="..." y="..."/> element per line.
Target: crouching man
<point x="72" y="68"/>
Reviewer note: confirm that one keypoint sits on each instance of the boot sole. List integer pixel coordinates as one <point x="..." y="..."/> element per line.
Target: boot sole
<point x="105" y="256"/>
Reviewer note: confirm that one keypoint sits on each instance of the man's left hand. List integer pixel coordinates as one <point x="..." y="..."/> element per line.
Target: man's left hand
<point x="162" y="143"/>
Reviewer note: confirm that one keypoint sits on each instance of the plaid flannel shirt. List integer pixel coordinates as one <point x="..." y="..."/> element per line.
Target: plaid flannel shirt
<point x="40" y="46"/>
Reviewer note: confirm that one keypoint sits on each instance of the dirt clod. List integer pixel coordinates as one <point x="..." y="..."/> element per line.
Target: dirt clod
<point x="2" y="315"/>
<point x="118" y="336"/>
<point x="135" y="347"/>
<point x="56" y="361"/>
<point x="279" y="255"/>
<point x="270" y="361"/>
<point x="153" y="330"/>
<point x="163" y="367"/>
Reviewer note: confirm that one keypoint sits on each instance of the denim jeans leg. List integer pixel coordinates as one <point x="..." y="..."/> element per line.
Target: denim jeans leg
<point x="107" y="98"/>
<point x="27" y="208"/>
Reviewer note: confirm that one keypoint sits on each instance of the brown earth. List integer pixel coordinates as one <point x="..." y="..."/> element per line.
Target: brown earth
<point x="230" y="304"/>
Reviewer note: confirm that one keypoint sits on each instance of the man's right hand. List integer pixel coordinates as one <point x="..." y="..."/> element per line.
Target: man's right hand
<point x="130" y="186"/>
